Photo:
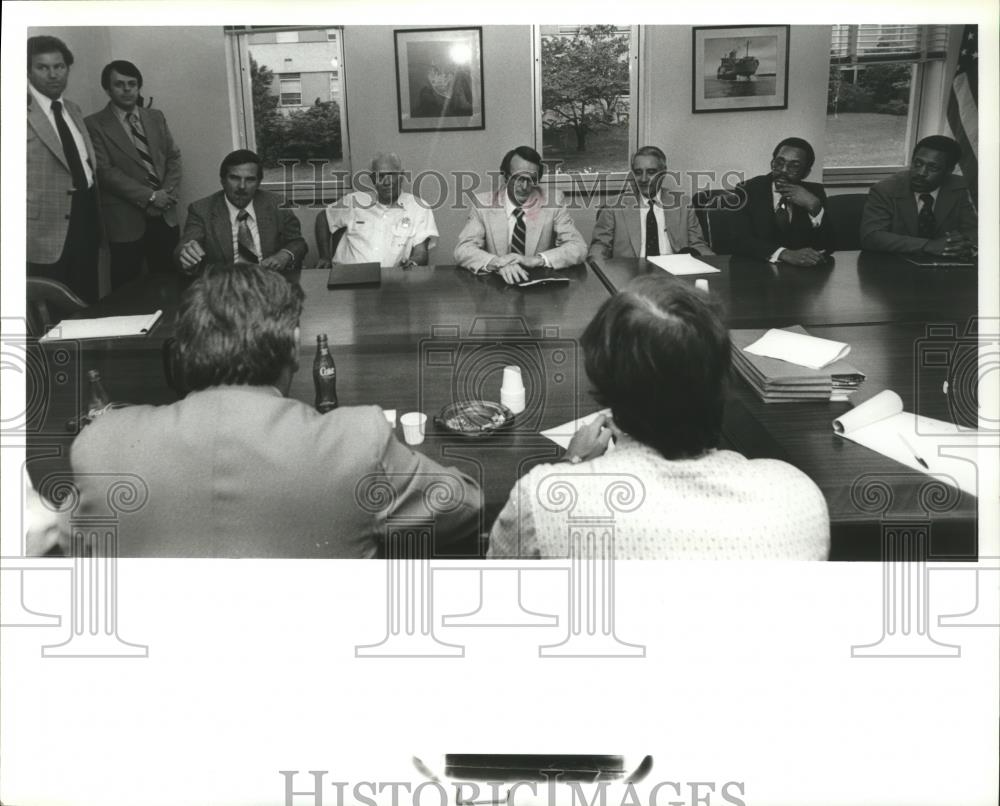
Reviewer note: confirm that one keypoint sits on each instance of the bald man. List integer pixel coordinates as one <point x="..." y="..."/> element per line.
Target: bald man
<point x="382" y="224"/>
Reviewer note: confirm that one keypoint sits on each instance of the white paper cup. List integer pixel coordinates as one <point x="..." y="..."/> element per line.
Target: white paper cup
<point x="512" y="380"/>
<point x="414" y="424"/>
<point x="513" y="400"/>
<point x="701" y="285"/>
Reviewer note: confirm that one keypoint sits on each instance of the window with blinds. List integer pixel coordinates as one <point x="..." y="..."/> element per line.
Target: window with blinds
<point x="873" y="44"/>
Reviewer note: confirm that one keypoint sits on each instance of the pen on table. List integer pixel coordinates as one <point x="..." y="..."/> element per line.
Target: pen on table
<point x="912" y="450"/>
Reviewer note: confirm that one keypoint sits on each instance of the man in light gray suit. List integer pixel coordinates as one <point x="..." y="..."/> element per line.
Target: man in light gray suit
<point x="240" y="223"/>
<point x="63" y="230"/>
<point x="657" y="222"/>
<point x="238" y="469"/>
<point x="519" y="228"/>
<point x="139" y="172"/>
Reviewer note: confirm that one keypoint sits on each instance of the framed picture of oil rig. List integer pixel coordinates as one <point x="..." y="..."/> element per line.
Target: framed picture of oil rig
<point x="739" y="67"/>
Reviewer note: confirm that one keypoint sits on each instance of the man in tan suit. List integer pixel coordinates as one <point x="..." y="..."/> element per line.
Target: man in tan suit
<point x="63" y="231"/>
<point x="139" y="172"/>
<point x="519" y="228"/>
<point x="653" y="222"/>
<point x="239" y="469"/>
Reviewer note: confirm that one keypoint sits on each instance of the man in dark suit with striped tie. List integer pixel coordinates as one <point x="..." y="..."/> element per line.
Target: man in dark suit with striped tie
<point x="240" y="223"/>
<point x="782" y="218"/>
<point x="139" y="170"/>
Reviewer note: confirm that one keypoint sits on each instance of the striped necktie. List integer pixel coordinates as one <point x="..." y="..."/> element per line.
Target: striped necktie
<point x="925" y="218"/>
<point x="244" y="240"/>
<point x="142" y="146"/>
<point x="517" y="239"/>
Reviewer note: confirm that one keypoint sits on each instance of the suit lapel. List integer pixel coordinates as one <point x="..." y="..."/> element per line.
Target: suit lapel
<point x="77" y="117"/>
<point x="630" y="211"/>
<point x="267" y="224"/>
<point x="908" y="208"/>
<point x="946" y="200"/>
<point x="496" y="219"/>
<point x="671" y="214"/>
<point x="116" y="133"/>
<point x="222" y="227"/>
<point x="45" y="130"/>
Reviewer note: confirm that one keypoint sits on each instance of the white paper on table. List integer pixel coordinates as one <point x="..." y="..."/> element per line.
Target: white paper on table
<point x="107" y="327"/>
<point x="799" y="348"/>
<point x="680" y="265"/>
<point x="881" y="425"/>
<point x="562" y="434"/>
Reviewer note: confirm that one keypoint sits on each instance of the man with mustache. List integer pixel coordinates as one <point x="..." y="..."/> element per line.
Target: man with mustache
<point x="63" y="231"/>
<point x="925" y="208"/>
<point x="240" y="223"/>
<point x="139" y="170"/>
<point x="782" y="217"/>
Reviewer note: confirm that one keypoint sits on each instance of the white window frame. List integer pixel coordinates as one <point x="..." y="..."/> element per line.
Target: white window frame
<point x="613" y="180"/>
<point x="924" y="93"/>
<point x="241" y="97"/>
<point x="282" y="92"/>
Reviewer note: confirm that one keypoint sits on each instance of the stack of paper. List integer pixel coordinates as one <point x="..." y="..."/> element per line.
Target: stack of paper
<point x="107" y="327"/>
<point x="786" y="366"/>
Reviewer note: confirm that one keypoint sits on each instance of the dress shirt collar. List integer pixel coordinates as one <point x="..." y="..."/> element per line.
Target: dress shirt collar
<point x="509" y="206"/>
<point x="122" y="115"/>
<point x="44" y="101"/>
<point x="932" y="193"/>
<point x="234" y="210"/>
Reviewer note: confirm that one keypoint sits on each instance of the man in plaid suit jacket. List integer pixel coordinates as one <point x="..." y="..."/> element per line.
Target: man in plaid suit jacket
<point x="63" y="230"/>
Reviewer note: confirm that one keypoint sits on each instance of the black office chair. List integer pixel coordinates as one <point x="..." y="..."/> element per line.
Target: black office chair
<point x="715" y="210"/>
<point x="845" y="213"/>
<point x="326" y="241"/>
<point x="48" y="303"/>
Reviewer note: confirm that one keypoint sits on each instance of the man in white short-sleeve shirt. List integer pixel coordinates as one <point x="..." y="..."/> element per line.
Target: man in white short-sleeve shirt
<point x="388" y="226"/>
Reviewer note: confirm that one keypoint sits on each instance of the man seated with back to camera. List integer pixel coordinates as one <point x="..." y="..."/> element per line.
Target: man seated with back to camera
<point x="240" y="223"/>
<point x="519" y="227"/>
<point x="388" y="227"/>
<point x="657" y="354"/>
<point x="782" y="218"/>
<point x="239" y="469"/>
<point x="926" y="208"/>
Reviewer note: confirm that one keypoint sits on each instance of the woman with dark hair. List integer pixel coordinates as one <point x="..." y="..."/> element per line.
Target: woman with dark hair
<point x="657" y="354"/>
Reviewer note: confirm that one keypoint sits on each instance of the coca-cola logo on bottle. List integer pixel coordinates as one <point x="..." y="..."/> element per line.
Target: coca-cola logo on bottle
<point x="327" y="372"/>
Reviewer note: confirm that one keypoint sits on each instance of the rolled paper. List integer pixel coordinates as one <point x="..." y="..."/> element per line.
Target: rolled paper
<point x="884" y="404"/>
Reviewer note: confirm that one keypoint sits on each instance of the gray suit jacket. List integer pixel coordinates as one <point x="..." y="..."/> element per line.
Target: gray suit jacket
<point x="548" y="228"/>
<point x="240" y="471"/>
<point x="122" y="174"/>
<point x="889" y="220"/>
<point x="50" y="183"/>
<point x="617" y="231"/>
<point x="208" y="224"/>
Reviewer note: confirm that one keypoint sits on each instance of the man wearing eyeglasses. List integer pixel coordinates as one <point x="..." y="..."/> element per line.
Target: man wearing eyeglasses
<point x="387" y="226"/>
<point x="925" y="208"/>
<point x="519" y="228"/>
<point x="782" y="217"/>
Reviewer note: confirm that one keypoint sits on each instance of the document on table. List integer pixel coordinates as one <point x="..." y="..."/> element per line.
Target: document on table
<point x="562" y="434"/>
<point x="681" y="265"/>
<point x="107" y="327"/>
<point x="881" y="425"/>
<point x="799" y="348"/>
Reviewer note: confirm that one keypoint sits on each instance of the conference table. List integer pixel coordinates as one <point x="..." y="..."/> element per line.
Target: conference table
<point x="428" y="336"/>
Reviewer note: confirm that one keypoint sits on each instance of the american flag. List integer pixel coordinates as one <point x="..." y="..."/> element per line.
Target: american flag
<point x="963" y="107"/>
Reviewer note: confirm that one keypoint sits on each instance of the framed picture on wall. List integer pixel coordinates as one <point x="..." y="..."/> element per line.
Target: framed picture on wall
<point x="739" y="67"/>
<point x="439" y="79"/>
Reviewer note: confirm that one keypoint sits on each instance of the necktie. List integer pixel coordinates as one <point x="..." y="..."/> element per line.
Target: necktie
<point x="142" y="146"/>
<point x="69" y="148"/>
<point x="925" y="218"/>
<point x="517" y="239"/>
<point x="781" y="215"/>
<point x="244" y="240"/>
<point x="652" y="232"/>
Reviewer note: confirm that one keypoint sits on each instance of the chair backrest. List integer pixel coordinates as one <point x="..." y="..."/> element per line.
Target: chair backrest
<point x="48" y="303"/>
<point x="715" y="210"/>
<point x="321" y="229"/>
<point x="845" y="214"/>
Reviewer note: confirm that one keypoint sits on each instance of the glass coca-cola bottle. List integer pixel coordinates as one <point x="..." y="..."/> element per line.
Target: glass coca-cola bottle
<point x="324" y="376"/>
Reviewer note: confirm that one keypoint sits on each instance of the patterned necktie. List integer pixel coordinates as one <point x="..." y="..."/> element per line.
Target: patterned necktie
<point x="142" y="146"/>
<point x="782" y="217"/>
<point x="69" y="148"/>
<point x="652" y="233"/>
<point x="517" y="239"/>
<point x="244" y="240"/>
<point x="925" y="218"/>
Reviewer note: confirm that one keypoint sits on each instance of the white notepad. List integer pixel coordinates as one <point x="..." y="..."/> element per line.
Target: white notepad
<point x="799" y="348"/>
<point x="562" y="434"/>
<point x="107" y="327"/>
<point x="680" y="265"/>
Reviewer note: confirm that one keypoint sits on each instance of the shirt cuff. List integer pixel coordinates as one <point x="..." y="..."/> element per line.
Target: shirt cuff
<point x="545" y="260"/>
<point x="777" y="254"/>
<point x="291" y="254"/>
